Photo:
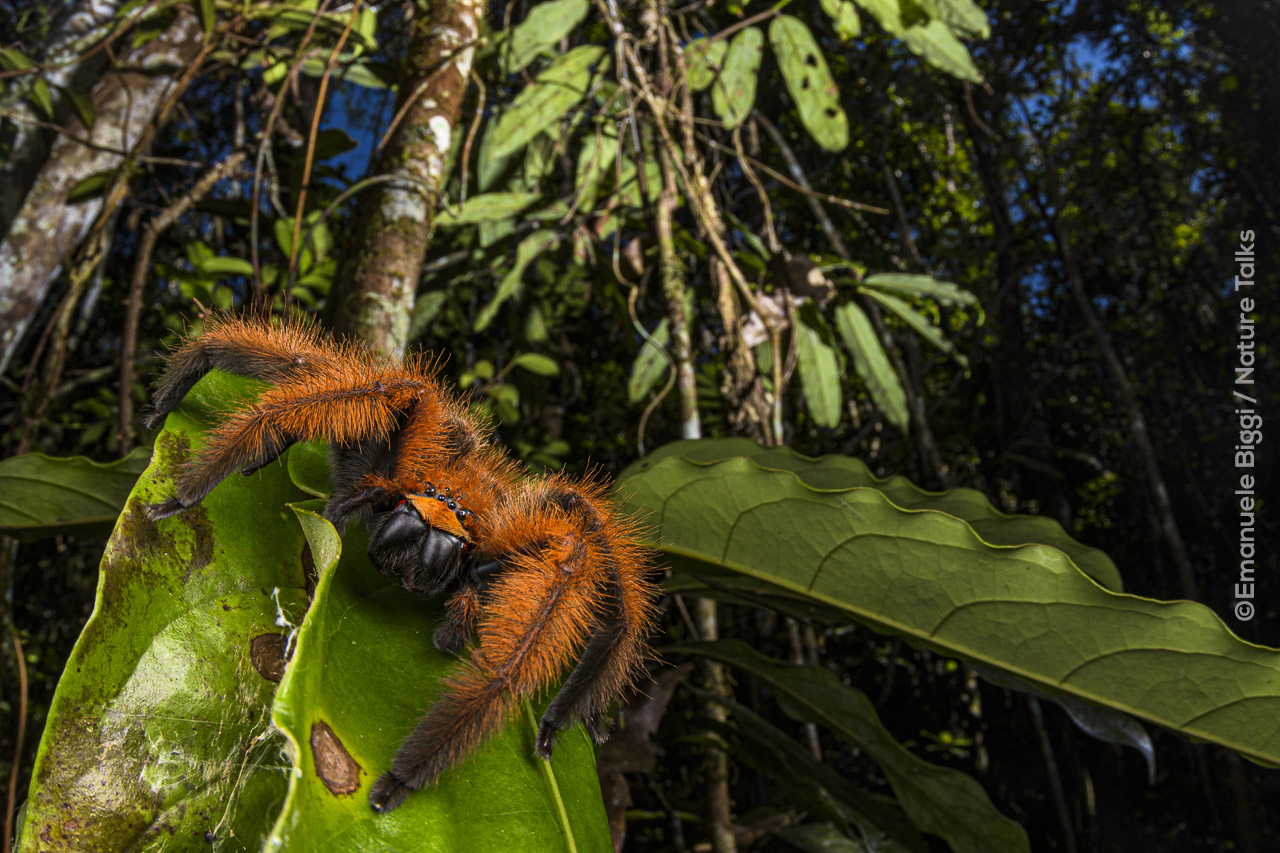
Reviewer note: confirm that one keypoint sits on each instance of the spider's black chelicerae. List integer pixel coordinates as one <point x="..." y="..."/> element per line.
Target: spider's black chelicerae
<point x="541" y="569"/>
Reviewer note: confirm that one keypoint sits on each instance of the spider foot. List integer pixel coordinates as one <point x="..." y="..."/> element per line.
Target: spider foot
<point x="164" y="509"/>
<point x="546" y="740"/>
<point x="596" y="726"/>
<point x="450" y="637"/>
<point x="388" y="792"/>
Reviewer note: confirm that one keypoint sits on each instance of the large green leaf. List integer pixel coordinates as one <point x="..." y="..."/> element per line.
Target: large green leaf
<point x="928" y="575"/>
<point x="941" y="801"/>
<point x="734" y="92"/>
<point x="365" y="669"/>
<point x="837" y="473"/>
<point x="550" y="96"/>
<point x="530" y="247"/>
<point x="157" y="736"/>
<point x="47" y="496"/>
<point x="487" y="207"/>
<point x="809" y="81"/>
<point x="703" y="59"/>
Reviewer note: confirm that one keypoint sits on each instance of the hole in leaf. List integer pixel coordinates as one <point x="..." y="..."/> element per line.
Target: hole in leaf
<point x="811" y="60"/>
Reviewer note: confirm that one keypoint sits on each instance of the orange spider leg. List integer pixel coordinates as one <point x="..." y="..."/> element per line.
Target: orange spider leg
<point x="348" y="416"/>
<point x="258" y="348"/>
<point x="539" y="610"/>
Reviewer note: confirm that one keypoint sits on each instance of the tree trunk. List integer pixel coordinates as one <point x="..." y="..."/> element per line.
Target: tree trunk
<point x="47" y="228"/>
<point x="88" y="23"/>
<point x="374" y="291"/>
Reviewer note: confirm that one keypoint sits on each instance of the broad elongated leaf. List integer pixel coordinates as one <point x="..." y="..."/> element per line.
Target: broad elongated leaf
<point x="819" y="366"/>
<point x="809" y="81"/>
<point x="363" y="672"/>
<point x="921" y="324"/>
<point x="703" y="59"/>
<point x="733" y="93"/>
<point x="921" y="285"/>
<point x="552" y="94"/>
<point x="872" y="363"/>
<point x="46" y="496"/>
<point x="651" y="363"/>
<point x="940" y="801"/>
<point x="962" y="16"/>
<point x="158" y="729"/>
<point x="813" y="786"/>
<point x="926" y="575"/>
<point x="541" y="29"/>
<point x="931" y="38"/>
<point x="490" y="206"/>
<point x="530" y="247"/>
<point x="596" y="161"/>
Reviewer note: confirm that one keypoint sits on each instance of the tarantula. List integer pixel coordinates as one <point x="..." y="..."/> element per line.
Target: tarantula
<point x="539" y="568"/>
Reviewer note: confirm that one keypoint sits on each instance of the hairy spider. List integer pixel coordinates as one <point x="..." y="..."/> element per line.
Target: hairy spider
<point x="540" y="568"/>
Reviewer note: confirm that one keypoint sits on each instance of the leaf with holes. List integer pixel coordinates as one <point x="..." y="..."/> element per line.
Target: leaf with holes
<point x="810" y="83"/>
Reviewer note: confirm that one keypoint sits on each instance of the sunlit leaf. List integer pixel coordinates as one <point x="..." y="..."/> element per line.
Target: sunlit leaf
<point x="929" y="37"/>
<point x="844" y="17"/>
<point x="703" y="59"/>
<point x="545" y="25"/>
<point x="809" y="81"/>
<point x="552" y="94"/>
<point x="651" y="364"/>
<point x="535" y="362"/>
<point x="872" y="363"/>
<point x="921" y="285"/>
<point x="819" y="365"/>
<point x="921" y="324"/>
<point x="734" y="92"/>
<point x="485" y="207"/>
<point x="530" y="247"/>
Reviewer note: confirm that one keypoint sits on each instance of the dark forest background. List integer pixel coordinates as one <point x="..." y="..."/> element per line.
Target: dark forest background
<point x="1082" y="175"/>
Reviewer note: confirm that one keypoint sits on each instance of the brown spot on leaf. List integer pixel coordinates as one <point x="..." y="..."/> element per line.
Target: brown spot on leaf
<point x="335" y="766"/>
<point x="267" y="653"/>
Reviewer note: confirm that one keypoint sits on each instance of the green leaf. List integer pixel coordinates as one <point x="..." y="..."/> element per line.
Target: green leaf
<point x="810" y="83"/>
<point x="425" y="311"/>
<point x="820" y="375"/>
<point x="552" y="94"/>
<point x="44" y="496"/>
<point x="921" y="324"/>
<point x="921" y="285"/>
<point x="224" y="266"/>
<point x="158" y="729"/>
<point x="332" y="141"/>
<point x="941" y="801"/>
<point x="703" y="59"/>
<point x="536" y="363"/>
<point x="12" y="59"/>
<point x="930" y="38"/>
<point x="530" y="247"/>
<point x="734" y="91"/>
<point x="844" y="17"/>
<point x="651" y="364"/>
<point x="364" y="671"/>
<point x="872" y="364"/>
<point x="929" y="576"/>
<point x="835" y="473"/>
<point x="543" y="28"/>
<point x="208" y="17"/>
<point x="81" y="105"/>
<point x="90" y="187"/>
<point x="598" y="158"/>
<point x="963" y="17"/>
<point x="42" y="99"/>
<point x="813" y="786"/>
<point x="308" y="464"/>
<point x="483" y="208"/>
